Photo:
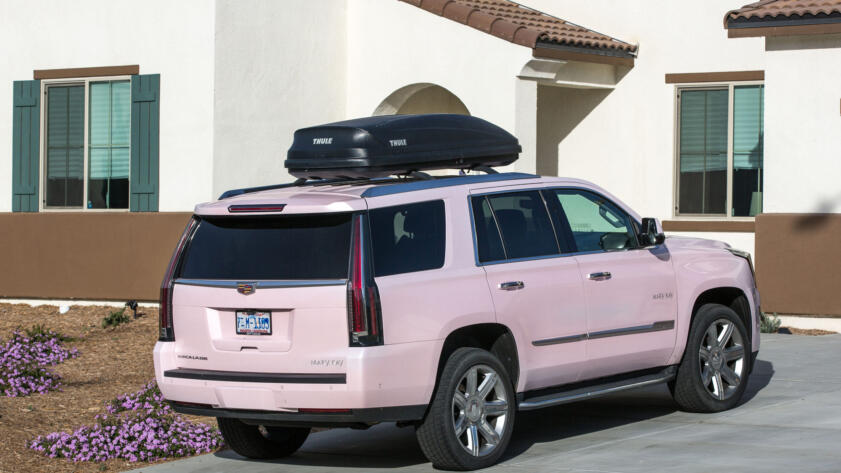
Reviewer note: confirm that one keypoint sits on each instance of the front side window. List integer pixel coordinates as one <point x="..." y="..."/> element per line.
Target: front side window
<point x="595" y="223"/>
<point x="408" y="238"/>
<point x="511" y="226"/>
<point x="90" y="173"/>
<point x="720" y="159"/>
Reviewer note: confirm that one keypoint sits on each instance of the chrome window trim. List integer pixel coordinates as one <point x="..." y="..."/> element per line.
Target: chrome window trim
<point x="532" y="258"/>
<point x="261" y="284"/>
<point x="659" y="326"/>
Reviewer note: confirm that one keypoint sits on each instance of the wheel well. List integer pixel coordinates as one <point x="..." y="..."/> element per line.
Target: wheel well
<point x="495" y="338"/>
<point x="731" y="297"/>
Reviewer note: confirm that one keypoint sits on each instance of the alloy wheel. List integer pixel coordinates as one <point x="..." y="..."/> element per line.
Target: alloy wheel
<point x="722" y="358"/>
<point x="480" y="408"/>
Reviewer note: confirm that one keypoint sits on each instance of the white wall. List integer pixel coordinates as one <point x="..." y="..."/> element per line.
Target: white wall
<point x="626" y="144"/>
<point x="174" y="39"/>
<point x="803" y="124"/>
<point x="280" y="66"/>
<point x="392" y="44"/>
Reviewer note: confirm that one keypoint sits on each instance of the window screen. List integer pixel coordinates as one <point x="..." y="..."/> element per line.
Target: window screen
<point x="65" y="146"/>
<point x="703" y="151"/>
<point x="408" y="238"/>
<point x="269" y="248"/>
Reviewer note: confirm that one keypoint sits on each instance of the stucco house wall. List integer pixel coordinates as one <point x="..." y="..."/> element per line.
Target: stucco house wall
<point x="802" y="123"/>
<point x="173" y="39"/>
<point x="279" y="66"/>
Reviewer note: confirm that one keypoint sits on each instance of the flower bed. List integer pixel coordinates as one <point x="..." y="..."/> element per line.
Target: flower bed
<point x="24" y="359"/>
<point x="136" y="427"/>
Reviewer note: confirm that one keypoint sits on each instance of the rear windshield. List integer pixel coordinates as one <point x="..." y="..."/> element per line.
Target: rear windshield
<point x="285" y="247"/>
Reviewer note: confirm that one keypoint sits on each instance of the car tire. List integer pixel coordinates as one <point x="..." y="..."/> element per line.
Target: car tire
<point x="261" y="442"/>
<point x="470" y="420"/>
<point x="716" y="363"/>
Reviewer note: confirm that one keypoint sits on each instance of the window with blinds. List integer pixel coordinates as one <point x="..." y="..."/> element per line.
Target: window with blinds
<point x="65" y="142"/>
<point x="88" y="167"/>
<point x="108" y="145"/>
<point x="719" y="168"/>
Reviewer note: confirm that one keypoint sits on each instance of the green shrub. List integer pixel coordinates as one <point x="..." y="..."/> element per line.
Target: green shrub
<point x="40" y="333"/>
<point x="769" y="323"/>
<point x="115" y="318"/>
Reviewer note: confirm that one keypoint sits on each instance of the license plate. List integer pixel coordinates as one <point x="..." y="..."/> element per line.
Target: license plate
<point x="254" y="322"/>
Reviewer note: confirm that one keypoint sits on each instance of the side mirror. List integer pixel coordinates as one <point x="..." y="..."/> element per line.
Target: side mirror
<point x="651" y="233"/>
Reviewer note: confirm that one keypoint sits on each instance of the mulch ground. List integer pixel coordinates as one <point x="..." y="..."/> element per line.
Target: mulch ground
<point x="111" y="362"/>
<point x="804" y="331"/>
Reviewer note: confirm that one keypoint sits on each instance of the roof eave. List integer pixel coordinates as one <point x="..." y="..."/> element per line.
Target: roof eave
<point x="551" y="50"/>
<point x="782" y="25"/>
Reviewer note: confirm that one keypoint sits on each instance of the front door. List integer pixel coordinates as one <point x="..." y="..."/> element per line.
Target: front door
<point x="630" y="291"/>
<point x="536" y="289"/>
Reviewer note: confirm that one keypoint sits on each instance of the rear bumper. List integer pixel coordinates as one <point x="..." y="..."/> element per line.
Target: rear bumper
<point x="359" y="380"/>
<point x="351" y="418"/>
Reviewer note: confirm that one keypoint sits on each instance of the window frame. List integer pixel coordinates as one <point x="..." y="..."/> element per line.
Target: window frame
<point x="42" y="153"/>
<point x="566" y="245"/>
<point x="721" y="85"/>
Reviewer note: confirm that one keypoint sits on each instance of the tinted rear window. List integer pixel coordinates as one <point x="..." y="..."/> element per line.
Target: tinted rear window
<point x="408" y="238"/>
<point x="524" y="222"/>
<point x="252" y="248"/>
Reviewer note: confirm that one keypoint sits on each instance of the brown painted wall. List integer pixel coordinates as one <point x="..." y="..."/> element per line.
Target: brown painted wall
<point x="100" y="256"/>
<point x="798" y="263"/>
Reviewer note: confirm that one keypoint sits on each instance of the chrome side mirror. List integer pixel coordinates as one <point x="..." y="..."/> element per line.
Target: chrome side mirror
<point x="651" y="233"/>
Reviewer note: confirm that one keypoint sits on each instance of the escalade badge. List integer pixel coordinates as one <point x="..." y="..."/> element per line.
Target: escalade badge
<point x="246" y="288"/>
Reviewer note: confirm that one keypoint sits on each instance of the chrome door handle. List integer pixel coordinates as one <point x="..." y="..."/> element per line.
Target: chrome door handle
<point x="601" y="276"/>
<point x="511" y="285"/>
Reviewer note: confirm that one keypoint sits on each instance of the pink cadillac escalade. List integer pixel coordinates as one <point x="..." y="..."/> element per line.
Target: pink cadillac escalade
<point x="448" y="304"/>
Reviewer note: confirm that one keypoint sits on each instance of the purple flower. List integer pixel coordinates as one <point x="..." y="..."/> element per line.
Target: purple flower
<point x="138" y="426"/>
<point x="24" y="361"/>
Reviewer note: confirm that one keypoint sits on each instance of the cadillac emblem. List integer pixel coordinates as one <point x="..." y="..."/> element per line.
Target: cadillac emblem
<point x="246" y="288"/>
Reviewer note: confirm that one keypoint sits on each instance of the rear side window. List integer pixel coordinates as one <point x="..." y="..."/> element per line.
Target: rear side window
<point x="522" y="222"/>
<point x="284" y="247"/>
<point x="408" y="238"/>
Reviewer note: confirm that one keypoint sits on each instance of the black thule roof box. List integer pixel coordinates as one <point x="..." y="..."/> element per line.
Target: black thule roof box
<point x="398" y="144"/>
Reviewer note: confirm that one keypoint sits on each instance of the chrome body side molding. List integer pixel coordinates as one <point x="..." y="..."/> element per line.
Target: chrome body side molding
<point x="654" y="327"/>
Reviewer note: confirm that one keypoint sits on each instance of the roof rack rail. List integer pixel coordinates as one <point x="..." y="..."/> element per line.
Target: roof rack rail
<point x="302" y="182"/>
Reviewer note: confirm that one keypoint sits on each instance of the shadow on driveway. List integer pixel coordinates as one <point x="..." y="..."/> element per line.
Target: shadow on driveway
<point x="388" y="446"/>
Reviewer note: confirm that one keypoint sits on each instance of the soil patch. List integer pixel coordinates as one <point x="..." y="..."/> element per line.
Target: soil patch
<point x="111" y="362"/>
<point x="804" y="331"/>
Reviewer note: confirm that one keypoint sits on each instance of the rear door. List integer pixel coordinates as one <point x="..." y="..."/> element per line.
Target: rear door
<point x="631" y="291"/>
<point x="536" y="290"/>
<point x="284" y="276"/>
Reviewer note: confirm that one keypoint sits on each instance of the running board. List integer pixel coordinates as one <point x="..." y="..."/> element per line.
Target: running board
<point x="599" y="387"/>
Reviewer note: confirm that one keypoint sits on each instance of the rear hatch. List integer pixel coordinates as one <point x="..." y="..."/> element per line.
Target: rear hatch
<point x="264" y="293"/>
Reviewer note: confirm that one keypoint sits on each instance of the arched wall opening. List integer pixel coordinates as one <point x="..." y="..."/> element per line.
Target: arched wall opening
<point x="421" y="98"/>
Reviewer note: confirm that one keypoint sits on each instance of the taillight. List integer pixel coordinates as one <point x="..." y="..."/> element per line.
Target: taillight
<point x="166" y="332"/>
<point x="364" y="318"/>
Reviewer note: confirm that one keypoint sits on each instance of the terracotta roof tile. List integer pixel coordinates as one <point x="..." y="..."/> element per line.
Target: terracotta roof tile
<point x="784" y="10"/>
<point x="521" y="25"/>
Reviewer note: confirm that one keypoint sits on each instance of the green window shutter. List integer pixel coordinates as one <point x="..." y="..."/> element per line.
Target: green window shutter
<point x="145" y="118"/>
<point x="25" y="145"/>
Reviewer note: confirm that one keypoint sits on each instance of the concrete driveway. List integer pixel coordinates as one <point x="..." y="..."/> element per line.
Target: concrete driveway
<point x="790" y="420"/>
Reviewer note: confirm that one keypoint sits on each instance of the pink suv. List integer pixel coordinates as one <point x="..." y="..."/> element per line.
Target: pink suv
<point x="447" y="304"/>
